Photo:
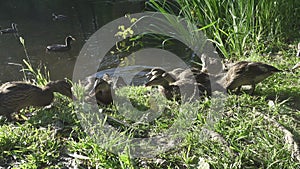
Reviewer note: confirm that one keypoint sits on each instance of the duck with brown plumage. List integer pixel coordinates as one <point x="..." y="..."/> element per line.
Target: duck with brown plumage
<point x="247" y="73"/>
<point x="17" y="95"/>
<point x="104" y="89"/>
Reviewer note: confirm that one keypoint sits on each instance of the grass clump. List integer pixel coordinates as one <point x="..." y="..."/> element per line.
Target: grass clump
<point x="239" y="28"/>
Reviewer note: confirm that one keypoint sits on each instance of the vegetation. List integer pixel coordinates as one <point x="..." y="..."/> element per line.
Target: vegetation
<point x="260" y="131"/>
<point x="239" y="28"/>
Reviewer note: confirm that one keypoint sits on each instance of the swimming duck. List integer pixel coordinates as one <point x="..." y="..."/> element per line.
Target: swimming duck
<point x="104" y="88"/>
<point x="61" y="47"/>
<point x="58" y="17"/>
<point x="247" y="73"/>
<point x="12" y="29"/>
<point x="15" y="96"/>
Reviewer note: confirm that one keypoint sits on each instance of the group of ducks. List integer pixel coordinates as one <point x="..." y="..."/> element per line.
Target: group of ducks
<point x="185" y="84"/>
<point x="15" y="96"/>
<point x="51" y="48"/>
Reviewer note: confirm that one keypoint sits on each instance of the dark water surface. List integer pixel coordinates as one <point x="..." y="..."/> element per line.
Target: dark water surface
<point x="35" y="25"/>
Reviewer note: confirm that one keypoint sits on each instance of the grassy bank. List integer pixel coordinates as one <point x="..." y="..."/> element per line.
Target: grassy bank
<point x="260" y="131"/>
<point x="252" y="132"/>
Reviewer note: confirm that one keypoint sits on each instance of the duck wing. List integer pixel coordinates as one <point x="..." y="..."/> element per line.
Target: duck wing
<point x="15" y="95"/>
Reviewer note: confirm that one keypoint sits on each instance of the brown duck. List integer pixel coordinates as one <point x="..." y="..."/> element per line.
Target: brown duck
<point x="15" y="96"/>
<point x="247" y="73"/>
<point x="172" y="88"/>
<point x="183" y="77"/>
<point x="157" y="71"/>
<point x="165" y="87"/>
<point x="104" y="88"/>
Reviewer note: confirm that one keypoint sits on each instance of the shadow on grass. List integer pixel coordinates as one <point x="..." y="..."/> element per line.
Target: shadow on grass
<point x="291" y="95"/>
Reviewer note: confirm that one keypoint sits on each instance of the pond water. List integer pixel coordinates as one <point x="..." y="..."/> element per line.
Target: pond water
<point x="35" y="25"/>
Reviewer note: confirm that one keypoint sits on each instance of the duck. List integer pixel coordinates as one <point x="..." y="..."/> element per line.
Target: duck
<point x="180" y="74"/>
<point x="61" y="47"/>
<point x="247" y="73"/>
<point x="59" y="17"/>
<point x="104" y="88"/>
<point x="163" y="81"/>
<point x="17" y="95"/>
<point x="12" y="29"/>
<point x="172" y="88"/>
<point x="156" y="71"/>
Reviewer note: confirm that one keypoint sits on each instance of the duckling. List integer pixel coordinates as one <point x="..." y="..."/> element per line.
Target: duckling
<point x="12" y="29"/>
<point x="59" y="17"/>
<point x="104" y="89"/>
<point x="15" y="96"/>
<point x="61" y="47"/>
<point x="172" y="89"/>
<point x="159" y="71"/>
<point x="201" y="78"/>
<point x="163" y="82"/>
<point x="247" y="73"/>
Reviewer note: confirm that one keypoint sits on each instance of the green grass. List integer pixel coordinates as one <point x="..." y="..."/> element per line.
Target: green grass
<point x="238" y="28"/>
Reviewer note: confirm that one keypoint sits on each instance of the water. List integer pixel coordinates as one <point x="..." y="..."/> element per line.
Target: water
<point x="35" y="25"/>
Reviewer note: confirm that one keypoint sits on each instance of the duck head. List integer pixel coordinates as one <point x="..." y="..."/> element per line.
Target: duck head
<point x="156" y="71"/>
<point x="158" y="80"/>
<point x="69" y="39"/>
<point x="61" y="86"/>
